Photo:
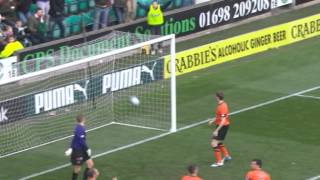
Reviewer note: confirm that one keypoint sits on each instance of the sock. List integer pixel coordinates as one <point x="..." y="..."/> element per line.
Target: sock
<point x="74" y="176"/>
<point x="224" y="150"/>
<point x="217" y="154"/>
<point x="85" y="176"/>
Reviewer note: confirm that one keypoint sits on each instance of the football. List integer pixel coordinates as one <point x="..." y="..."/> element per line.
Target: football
<point x="134" y="100"/>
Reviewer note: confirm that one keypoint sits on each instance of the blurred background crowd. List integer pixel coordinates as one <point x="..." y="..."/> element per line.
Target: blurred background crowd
<point x="24" y="23"/>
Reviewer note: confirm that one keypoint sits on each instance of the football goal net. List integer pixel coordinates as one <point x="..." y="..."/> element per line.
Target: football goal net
<point x="39" y="108"/>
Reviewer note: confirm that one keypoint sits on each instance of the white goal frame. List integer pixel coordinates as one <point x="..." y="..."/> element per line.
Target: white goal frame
<point x="170" y="38"/>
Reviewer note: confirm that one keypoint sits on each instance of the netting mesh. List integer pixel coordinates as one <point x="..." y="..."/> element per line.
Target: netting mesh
<point x="42" y="108"/>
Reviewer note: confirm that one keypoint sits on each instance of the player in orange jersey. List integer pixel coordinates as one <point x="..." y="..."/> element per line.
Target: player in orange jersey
<point x="256" y="172"/>
<point x="192" y="173"/>
<point x="221" y="122"/>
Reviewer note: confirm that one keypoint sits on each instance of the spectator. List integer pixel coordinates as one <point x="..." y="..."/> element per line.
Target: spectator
<point x="19" y="29"/>
<point x="36" y="27"/>
<point x="192" y="173"/>
<point x="2" y="42"/>
<point x="119" y="7"/>
<point x="22" y="10"/>
<point x="2" y="36"/>
<point x="4" y="22"/>
<point x="130" y="10"/>
<point x="155" y="19"/>
<point x="45" y="6"/>
<point x="56" y="13"/>
<point x="92" y="174"/>
<point x="2" y="18"/>
<point x="256" y="172"/>
<point x="7" y="7"/>
<point x="11" y="47"/>
<point x="102" y="13"/>
<point x="8" y="31"/>
<point x="20" y="32"/>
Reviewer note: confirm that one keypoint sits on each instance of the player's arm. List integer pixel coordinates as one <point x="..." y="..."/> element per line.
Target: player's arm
<point x="69" y="150"/>
<point x="247" y="176"/>
<point x="211" y="121"/>
<point x="82" y="136"/>
<point x="223" y="119"/>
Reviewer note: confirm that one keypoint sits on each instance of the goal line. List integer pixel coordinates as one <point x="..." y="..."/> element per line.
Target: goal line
<point x="89" y="130"/>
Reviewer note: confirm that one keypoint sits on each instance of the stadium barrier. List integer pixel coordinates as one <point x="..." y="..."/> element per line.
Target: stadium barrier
<point x="298" y="2"/>
<point x="280" y="3"/>
<point x="244" y="45"/>
<point x="7" y="68"/>
<point x="181" y="22"/>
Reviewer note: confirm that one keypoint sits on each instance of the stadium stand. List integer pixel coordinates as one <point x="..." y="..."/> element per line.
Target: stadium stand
<point x="78" y="16"/>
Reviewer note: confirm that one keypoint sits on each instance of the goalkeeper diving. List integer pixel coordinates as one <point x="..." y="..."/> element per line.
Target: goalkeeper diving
<point x="79" y="151"/>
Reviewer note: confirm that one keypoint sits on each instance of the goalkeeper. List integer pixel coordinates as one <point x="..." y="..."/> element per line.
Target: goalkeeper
<point x="79" y="149"/>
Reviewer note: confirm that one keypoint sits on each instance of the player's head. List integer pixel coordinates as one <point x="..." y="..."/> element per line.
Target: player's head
<point x="193" y="169"/>
<point x="80" y="119"/>
<point x="219" y="96"/>
<point x="256" y="164"/>
<point x="92" y="174"/>
<point x="155" y="4"/>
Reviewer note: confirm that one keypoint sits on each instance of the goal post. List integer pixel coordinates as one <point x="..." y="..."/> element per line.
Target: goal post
<point x="38" y="108"/>
<point x="173" y="84"/>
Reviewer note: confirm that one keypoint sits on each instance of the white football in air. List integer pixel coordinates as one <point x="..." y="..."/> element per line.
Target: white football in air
<point x="134" y="100"/>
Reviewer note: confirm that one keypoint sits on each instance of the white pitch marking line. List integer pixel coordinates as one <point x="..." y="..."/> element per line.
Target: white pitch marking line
<point x="168" y="133"/>
<point x="96" y="156"/>
<point x="308" y="96"/>
<point x="50" y="142"/>
<point x="142" y="127"/>
<point x="314" y="178"/>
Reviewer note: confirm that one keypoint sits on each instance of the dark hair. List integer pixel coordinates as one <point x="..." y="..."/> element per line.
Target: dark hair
<point x="220" y="95"/>
<point x="80" y="118"/>
<point x="192" y="168"/>
<point x="91" y="172"/>
<point x="38" y="9"/>
<point x="6" y="28"/>
<point x="258" y="162"/>
<point x="9" y="37"/>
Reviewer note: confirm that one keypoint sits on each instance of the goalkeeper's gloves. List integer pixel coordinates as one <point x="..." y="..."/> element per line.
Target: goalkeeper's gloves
<point x="89" y="152"/>
<point x="68" y="152"/>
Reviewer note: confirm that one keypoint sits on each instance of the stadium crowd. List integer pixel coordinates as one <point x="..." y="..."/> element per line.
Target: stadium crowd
<point x="24" y="23"/>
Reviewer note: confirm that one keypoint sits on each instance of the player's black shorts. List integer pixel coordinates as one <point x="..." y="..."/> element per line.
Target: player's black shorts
<point x="78" y="157"/>
<point x="222" y="133"/>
